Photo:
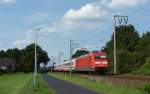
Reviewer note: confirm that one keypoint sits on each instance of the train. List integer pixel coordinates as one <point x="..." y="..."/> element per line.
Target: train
<point x="91" y="62"/>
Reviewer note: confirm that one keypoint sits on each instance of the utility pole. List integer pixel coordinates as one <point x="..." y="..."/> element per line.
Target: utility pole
<point x="54" y="62"/>
<point x="35" y="63"/>
<point x="115" y="69"/>
<point x="71" y="50"/>
<point x="118" y="21"/>
<point x="60" y="54"/>
<point x="59" y="57"/>
<point x="51" y="63"/>
<point x="73" y="45"/>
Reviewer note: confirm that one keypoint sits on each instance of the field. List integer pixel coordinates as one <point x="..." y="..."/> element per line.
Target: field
<point x="21" y="83"/>
<point x="98" y="85"/>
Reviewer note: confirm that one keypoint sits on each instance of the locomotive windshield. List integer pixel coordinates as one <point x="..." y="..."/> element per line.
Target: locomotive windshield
<point x="100" y="57"/>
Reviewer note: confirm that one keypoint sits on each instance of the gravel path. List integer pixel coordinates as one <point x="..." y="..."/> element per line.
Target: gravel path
<point x="63" y="87"/>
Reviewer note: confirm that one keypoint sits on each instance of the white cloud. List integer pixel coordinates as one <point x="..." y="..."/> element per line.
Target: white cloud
<point x="91" y="16"/>
<point x="20" y="43"/>
<point x="87" y="17"/>
<point x="7" y="1"/>
<point x="37" y="17"/>
<point x="123" y="3"/>
<point x="89" y="11"/>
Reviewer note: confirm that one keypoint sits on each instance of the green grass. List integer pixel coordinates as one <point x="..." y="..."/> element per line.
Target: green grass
<point x="13" y="83"/>
<point x="97" y="85"/>
<point x="41" y="87"/>
<point x="21" y="83"/>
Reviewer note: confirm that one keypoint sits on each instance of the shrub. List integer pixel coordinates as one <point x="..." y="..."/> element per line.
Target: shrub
<point x="146" y="88"/>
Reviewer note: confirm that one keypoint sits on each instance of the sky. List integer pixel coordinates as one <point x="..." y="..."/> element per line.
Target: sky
<point x="88" y="22"/>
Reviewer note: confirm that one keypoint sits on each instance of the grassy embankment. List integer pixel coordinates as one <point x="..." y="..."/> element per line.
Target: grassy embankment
<point x="98" y="85"/>
<point x="21" y="83"/>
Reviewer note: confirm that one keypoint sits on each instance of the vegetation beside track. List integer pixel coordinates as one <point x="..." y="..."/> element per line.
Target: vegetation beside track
<point x="145" y="69"/>
<point x="99" y="86"/>
<point x="21" y="83"/>
<point x="133" y="51"/>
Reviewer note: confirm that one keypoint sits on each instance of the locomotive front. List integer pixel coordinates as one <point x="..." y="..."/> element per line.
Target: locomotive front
<point x="100" y="61"/>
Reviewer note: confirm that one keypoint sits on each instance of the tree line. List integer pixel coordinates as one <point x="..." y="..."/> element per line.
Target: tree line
<point x="25" y="57"/>
<point x="133" y="51"/>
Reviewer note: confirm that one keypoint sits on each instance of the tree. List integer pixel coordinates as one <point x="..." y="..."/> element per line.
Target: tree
<point x="13" y="53"/>
<point x="27" y="57"/>
<point x="2" y="54"/>
<point x="126" y="37"/>
<point x="126" y="40"/>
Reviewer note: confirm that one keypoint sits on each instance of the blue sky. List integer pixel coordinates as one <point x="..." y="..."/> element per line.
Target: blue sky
<point x="89" y="22"/>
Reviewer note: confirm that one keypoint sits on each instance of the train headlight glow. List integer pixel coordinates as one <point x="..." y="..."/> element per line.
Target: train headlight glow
<point x="104" y="62"/>
<point x="97" y="62"/>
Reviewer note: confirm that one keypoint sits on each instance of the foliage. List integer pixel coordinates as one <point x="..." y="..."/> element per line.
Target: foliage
<point x="132" y="50"/>
<point x="146" y="88"/>
<point x="80" y="53"/>
<point x="13" y="53"/>
<point x="25" y="57"/>
<point x="2" y="54"/>
<point x="145" y="69"/>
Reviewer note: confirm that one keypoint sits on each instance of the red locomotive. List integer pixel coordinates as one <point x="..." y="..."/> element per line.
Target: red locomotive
<point x="94" y="61"/>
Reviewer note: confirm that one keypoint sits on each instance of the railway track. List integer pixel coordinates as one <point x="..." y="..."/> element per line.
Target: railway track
<point x="130" y="77"/>
<point x="119" y="79"/>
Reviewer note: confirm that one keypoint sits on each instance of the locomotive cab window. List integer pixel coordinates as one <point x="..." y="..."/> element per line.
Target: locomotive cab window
<point x="100" y="57"/>
<point x="103" y="57"/>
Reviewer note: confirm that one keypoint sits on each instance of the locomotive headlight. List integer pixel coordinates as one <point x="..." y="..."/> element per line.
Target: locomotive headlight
<point x="97" y="62"/>
<point x="104" y="62"/>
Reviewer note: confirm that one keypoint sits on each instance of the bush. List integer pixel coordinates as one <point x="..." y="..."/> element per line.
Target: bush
<point x="146" y="88"/>
<point x="145" y="69"/>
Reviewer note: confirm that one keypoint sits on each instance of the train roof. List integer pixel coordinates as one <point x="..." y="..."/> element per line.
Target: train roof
<point x="91" y="53"/>
<point x="99" y="53"/>
<point x="68" y="61"/>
